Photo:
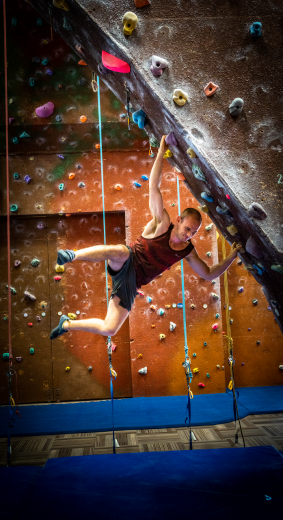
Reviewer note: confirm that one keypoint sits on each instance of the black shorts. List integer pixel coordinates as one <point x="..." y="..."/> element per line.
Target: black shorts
<point x="124" y="282"/>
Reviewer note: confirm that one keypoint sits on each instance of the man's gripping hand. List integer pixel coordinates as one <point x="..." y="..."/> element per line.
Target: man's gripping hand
<point x="162" y="145"/>
<point x="235" y="248"/>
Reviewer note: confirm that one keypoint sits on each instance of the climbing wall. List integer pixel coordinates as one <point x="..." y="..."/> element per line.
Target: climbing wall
<point x="55" y="184"/>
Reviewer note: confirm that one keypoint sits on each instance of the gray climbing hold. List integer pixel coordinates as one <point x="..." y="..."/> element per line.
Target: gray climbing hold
<point x="198" y="173"/>
<point x="278" y="268"/>
<point x="236" y="107"/>
<point x="30" y="296"/>
<point x="172" y="326"/>
<point x="153" y="142"/>
<point x="256" y="211"/>
<point x="253" y="248"/>
<point x="35" y="262"/>
<point x="215" y="296"/>
<point x="223" y="210"/>
<point x="67" y="25"/>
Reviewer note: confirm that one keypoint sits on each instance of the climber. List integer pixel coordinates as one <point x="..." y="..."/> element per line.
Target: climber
<point x="161" y="245"/>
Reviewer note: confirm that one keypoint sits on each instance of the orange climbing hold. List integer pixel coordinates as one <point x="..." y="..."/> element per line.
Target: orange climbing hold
<point x="97" y="146"/>
<point x="118" y="187"/>
<point x="210" y="89"/>
<point x="72" y="175"/>
<point x="82" y="62"/>
<point x="83" y="119"/>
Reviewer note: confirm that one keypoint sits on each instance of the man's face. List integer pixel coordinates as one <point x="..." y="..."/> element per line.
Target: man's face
<point x="187" y="229"/>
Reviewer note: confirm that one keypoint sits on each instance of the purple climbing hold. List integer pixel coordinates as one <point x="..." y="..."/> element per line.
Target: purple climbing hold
<point x="11" y="119"/>
<point x="158" y="65"/>
<point x="38" y="318"/>
<point x="103" y="70"/>
<point x="40" y="225"/>
<point x="27" y="179"/>
<point x="241" y="289"/>
<point x="17" y="263"/>
<point x="256" y="211"/>
<point x="49" y="72"/>
<point x="30" y="296"/>
<point x="45" y="110"/>
<point x="171" y="139"/>
<point x="19" y="359"/>
<point x="253" y="248"/>
<point x="61" y="156"/>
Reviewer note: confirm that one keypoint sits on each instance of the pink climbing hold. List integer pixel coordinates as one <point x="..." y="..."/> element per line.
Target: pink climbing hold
<point x="201" y="385"/>
<point x="112" y="63"/>
<point x="45" y="110"/>
<point x="57" y="278"/>
<point x="113" y="347"/>
<point x="11" y="119"/>
<point x="140" y="293"/>
<point x="215" y="326"/>
<point x="228" y="197"/>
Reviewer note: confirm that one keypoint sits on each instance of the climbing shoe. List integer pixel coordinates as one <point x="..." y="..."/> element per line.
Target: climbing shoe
<point x="58" y="331"/>
<point x="65" y="256"/>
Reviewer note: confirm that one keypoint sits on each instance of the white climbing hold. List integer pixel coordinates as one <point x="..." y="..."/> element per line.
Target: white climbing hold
<point x="208" y="228"/>
<point x="215" y="296"/>
<point x="143" y="370"/>
<point x="172" y="326"/>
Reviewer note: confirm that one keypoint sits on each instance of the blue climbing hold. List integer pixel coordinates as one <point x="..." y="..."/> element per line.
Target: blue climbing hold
<point x="137" y="184"/>
<point x="194" y="354"/>
<point x="15" y="140"/>
<point x="255" y="29"/>
<point x="58" y="118"/>
<point x="16" y="175"/>
<point x="14" y="21"/>
<point x="61" y="186"/>
<point x="49" y="72"/>
<point x="24" y="134"/>
<point x="5" y="355"/>
<point x="149" y="299"/>
<point x="139" y="118"/>
<point x="259" y="268"/>
<point x="145" y="177"/>
<point x="32" y="82"/>
<point x="179" y="305"/>
<point x="206" y="196"/>
<point x="39" y="22"/>
<point x="45" y="61"/>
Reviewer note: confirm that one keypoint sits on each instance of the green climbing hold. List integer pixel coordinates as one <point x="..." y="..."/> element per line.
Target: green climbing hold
<point x="61" y="186"/>
<point x="278" y="268"/>
<point x="207" y="375"/>
<point x="14" y="208"/>
<point x="31" y="350"/>
<point x="198" y="173"/>
<point x="39" y="22"/>
<point x="16" y="175"/>
<point x="67" y="25"/>
<point x="35" y="262"/>
<point x="217" y="315"/>
<point x="194" y="354"/>
<point x="5" y="355"/>
<point x="24" y="134"/>
<point x="15" y="140"/>
<point x="205" y="343"/>
<point x="12" y="289"/>
<point x="32" y="82"/>
<point x="154" y="143"/>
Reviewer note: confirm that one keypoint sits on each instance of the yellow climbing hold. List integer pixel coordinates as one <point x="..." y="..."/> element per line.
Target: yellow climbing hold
<point x="61" y="4"/>
<point x="204" y="208"/>
<point x="130" y="21"/>
<point x="67" y="368"/>
<point x="195" y="370"/>
<point x="232" y="230"/>
<point x="59" y="268"/>
<point x="140" y="356"/>
<point x="162" y="336"/>
<point x="191" y="153"/>
<point x="72" y="316"/>
<point x="180" y="97"/>
<point x="230" y="386"/>
<point x="167" y="154"/>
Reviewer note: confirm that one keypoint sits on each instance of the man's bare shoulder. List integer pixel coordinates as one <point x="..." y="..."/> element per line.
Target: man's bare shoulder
<point x="154" y="229"/>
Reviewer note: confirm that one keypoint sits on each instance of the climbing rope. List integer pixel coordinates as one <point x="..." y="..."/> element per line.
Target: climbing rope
<point x="231" y="359"/>
<point x="187" y="362"/>
<point x="109" y="341"/>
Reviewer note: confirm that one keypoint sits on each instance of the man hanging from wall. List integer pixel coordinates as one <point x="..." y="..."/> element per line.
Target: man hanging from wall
<point x="161" y="245"/>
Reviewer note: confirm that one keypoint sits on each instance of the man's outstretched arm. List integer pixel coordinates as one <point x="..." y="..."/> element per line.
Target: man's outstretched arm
<point x="155" y="197"/>
<point x="210" y="273"/>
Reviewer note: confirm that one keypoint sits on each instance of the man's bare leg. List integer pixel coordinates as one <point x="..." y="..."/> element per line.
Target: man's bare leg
<point x="115" y="318"/>
<point x="116" y="255"/>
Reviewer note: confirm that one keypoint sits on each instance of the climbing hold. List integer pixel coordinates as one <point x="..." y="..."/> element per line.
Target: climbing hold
<point x="112" y="63"/>
<point x="152" y="307"/>
<point x="11" y="119"/>
<point x="78" y="312"/>
<point x="179" y="174"/>
<point x="180" y="96"/>
<point x="139" y="118"/>
<point x="240" y="289"/>
<point x="45" y="61"/>
<point x="61" y="4"/>
<point x="12" y="289"/>
<point x="67" y="369"/>
<point x="15" y="140"/>
<point x="14" y="21"/>
<point x="217" y="315"/>
<point x="193" y="306"/>
<point x="24" y="134"/>
<point x="39" y="22"/>
<point x="179" y="305"/>
<point x="143" y="370"/>
<point x="83" y="119"/>
<point x="59" y="268"/>
<point x="144" y="177"/>
<point x="210" y="89"/>
<point x="255" y="302"/>
<point x="174" y="305"/>
<point x="35" y="262"/>
<point x="30" y="296"/>
<point x="167" y="305"/>
<point x="162" y="336"/>
<point x="209" y="227"/>
<point x="45" y="110"/>
<point x="256" y="211"/>
<point x="231" y="321"/>
<point x="5" y="355"/>
<point x="236" y="107"/>
<point x="27" y="179"/>
<point x="49" y="72"/>
<point x="278" y="268"/>
<point x="130" y="21"/>
<point x="208" y="254"/>
<point x="207" y="375"/>
<point x="137" y="184"/>
<point x="172" y="326"/>
<point x="154" y="143"/>
<point x="32" y="82"/>
<point x="97" y="146"/>
<point x="232" y="230"/>
<point x="19" y="359"/>
<point x="201" y="385"/>
<point x="16" y="175"/>
<point x="258" y="342"/>
<point x="217" y="366"/>
<point x="31" y="350"/>
<point x="67" y="25"/>
<point x="205" y="306"/>
<point x="118" y="187"/>
<point x="38" y="318"/>
<point x="255" y="29"/>
<point x="81" y="185"/>
<point x="57" y="278"/>
<point x="61" y="186"/>
<point x="215" y="296"/>
<point x="191" y="153"/>
<point x="140" y="293"/>
<point x="30" y="324"/>
<point x="152" y="326"/>
<point x="167" y="154"/>
<point x="89" y="368"/>
<point x="72" y="176"/>
<point x="253" y="248"/>
<point x="139" y="356"/>
<point x="205" y="344"/>
<point x="82" y="62"/>
<point x="160" y="312"/>
<point x="215" y="327"/>
<point x="281" y="367"/>
<point x="198" y="173"/>
<point x="103" y="70"/>
<point x="195" y="370"/>
<point x="148" y="299"/>
<point x="213" y="282"/>
<point x="25" y="315"/>
<point x="72" y="316"/>
<point x="206" y="196"/>
<point x="141" y="3"/>
<point x="228" y="196"/>
<point x="223" y="209"/>
<point x="17" y="263"/>
<point x="170" y="139"/>
<point x="158" y="65"/>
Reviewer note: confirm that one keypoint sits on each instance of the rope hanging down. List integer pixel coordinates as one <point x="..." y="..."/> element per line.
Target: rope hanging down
<point x="231" y="359"/>
<point x="109" y="341"/>
<point x="187" y="362"/>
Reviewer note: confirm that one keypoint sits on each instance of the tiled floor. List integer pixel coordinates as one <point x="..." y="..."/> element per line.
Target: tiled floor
<point x="258" y="430"/>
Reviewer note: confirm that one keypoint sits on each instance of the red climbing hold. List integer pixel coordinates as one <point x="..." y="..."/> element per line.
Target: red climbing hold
<point x="201" y="385"/>
<point x="82" y="62"/>
<point x="228" y="196"/>
<point x="112" y="63"/>
<point x="30" y="324"/>
<point x="57" y="278"/>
